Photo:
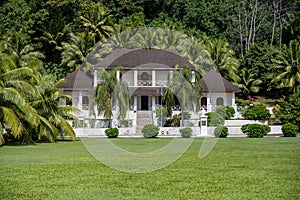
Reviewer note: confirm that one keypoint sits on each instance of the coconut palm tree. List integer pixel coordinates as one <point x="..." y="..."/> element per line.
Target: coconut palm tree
<point x="188" y="93"/>
<point x="98" y="20"/>
<point x="223" y="57"/>
<point x="52" y="113"/>
<point x="15" y="87"/>
<point x="247" y="82"/>
<point x="21" y="52"/>
<point x="75" y="52"/>
<point x="288" y="61"/>
<point x="109" y="93"/>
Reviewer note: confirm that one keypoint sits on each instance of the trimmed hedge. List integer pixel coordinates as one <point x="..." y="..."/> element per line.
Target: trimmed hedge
<point x="112" y="132"/>
<point x="255" y="130"/>
<point x="289" y="130"/>
<point x="221" y="131"/>
<point x="150" y="131"/>
<point x="186" y="132"/>
<point x="256" y="112"/>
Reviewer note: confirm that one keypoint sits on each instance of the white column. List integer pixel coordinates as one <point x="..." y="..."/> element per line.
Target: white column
<point x="135" y="78"/>
<point x="118" y="75"/>
<point x="208" y="103"/>
<point x="135" y="102"/>
<point x="233" y="101"/>
<point x="95" y="78"/>
<point x="153" y="103"/>
<point x="193" y="77"/>
<point x="80" y="100"/>
<point x="153" y="78"/>
<point x="171" y="74"/>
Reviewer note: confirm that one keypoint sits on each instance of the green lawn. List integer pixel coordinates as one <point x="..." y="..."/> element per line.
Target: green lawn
<point x="236" y="168"/>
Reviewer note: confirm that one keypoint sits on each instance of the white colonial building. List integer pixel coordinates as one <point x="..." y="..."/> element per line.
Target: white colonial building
<point x="146" y="71"/>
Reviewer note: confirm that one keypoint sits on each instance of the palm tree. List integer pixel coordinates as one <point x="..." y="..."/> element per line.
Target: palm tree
<point x="197" y="55"/>
<point x="288" y="61"/>
<point x="22" y="53"/>
<point x="98" y="21"/>
<point x="247" y="82"/>
<point x="187" y="92"/>
<point x="51" y="111"/>
<point x="223" y="57"/>
<point x="109" y="93"/>
<point x="15" y="109"/>
<point x="75" y="52"/>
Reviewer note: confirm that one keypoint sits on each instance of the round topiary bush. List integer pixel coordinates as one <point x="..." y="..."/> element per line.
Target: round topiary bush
<point x="150" y="131"/>
<point x="255" y="130"/>
<point x="112" y="132"/>
<point x="221" y="131"/>
<point x="289" y="130"/>
<point x="186" y="132"/>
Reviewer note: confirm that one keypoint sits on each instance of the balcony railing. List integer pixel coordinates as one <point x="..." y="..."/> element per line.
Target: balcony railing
<point x="149" y="83"/>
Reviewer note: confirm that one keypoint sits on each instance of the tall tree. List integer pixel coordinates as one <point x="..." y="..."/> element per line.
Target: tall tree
<point x="183" y="88"/>
<point x="247" y="83"/>
<point x="288" y="61"/>
<point x="223" y="57"/>
<point x="109" y="93"/>
<point x="52" y="114"/>
<point x="96" y="18"/>
<point x="15" y="87"/>
<point x="75" y="52"/>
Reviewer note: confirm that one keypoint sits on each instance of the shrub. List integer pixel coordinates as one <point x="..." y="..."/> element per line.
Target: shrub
<point x="221" y="131"/>
<point x="161" y="114"/>
<point x="186" y="132"/>
<point x="256" y="112"/>
<point x="215" y="119"/>
<point x="255" y="130"/>
<point x="288" y="109"/>
<point x="112" y="132"/>
<point x="226" y="111"/>
<point x="289" y="130"/>
<point x="150" y="131"/>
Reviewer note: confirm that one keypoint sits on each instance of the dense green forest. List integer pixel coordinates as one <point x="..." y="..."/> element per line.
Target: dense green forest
<point x="253" y="43"/>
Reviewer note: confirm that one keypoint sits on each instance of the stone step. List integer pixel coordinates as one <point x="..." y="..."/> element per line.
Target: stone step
<point x="143" y="118"/>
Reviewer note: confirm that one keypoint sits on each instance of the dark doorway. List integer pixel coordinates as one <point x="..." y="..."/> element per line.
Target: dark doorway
<point x="203" y="102"/>
<point x="144" y="102"/>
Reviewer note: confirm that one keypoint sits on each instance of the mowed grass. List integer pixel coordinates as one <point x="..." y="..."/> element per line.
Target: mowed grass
<point x="236" y="168"/>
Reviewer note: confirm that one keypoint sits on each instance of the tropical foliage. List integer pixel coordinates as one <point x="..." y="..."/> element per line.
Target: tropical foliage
<point x="109" y="93"/>
<point x="287" y="61"/>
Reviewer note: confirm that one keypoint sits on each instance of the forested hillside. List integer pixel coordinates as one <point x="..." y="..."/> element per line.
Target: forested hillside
<point x="256" y="36"/>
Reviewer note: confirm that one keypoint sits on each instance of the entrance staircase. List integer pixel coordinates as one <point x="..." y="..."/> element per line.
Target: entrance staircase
<point x="143" y="117"/>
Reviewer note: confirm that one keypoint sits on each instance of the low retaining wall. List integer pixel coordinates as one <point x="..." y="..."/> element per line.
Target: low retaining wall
<point x="168" y="131"/>
<point x="243" y="122"/>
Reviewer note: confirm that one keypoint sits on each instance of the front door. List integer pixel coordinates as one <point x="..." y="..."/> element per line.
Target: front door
<point x="144" y="102"/>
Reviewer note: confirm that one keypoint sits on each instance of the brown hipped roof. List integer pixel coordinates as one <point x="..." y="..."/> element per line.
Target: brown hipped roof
<point x="153" y="58"/>
<point x="77" y="80"/>
<point x="214" y="82"/>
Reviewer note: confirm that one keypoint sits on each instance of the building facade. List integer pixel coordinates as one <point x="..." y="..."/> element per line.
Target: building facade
<point x="146" y="72"/>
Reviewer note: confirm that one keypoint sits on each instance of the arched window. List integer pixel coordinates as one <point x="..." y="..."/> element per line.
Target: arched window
<point x="145" y="76"/>
<point x="220" y="101"/>
<point x="85" y="103"/>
